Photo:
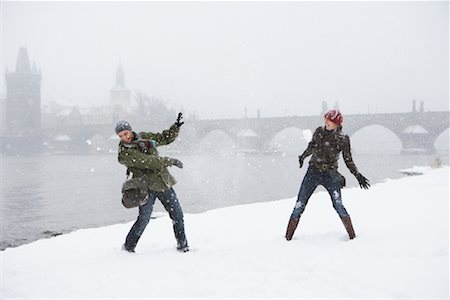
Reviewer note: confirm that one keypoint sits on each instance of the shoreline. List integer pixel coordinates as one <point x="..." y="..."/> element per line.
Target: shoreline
<point x="47" y="234"/>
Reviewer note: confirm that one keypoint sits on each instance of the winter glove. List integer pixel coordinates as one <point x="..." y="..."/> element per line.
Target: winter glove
<point x="363" y="181"/>
<point x="178" y="123"/>
<point x="300" y="161"/>
<point x="175" y="162"/>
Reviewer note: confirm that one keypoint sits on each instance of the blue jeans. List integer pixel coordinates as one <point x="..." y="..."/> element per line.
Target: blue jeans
<point x="170" y="202"/>
<point x="330" y="179"/>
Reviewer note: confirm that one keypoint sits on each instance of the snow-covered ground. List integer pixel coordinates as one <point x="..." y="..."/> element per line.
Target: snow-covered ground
<point x="401" y="251"/>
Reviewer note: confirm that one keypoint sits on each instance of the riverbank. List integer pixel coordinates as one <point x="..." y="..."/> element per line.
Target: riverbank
<point x="401" y="251"/>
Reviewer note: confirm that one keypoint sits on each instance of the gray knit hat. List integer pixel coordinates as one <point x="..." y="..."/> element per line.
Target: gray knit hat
<point x="122" y="125"/>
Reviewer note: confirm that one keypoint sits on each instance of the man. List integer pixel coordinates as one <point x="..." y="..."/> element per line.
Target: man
<point x="325" y="147"/>
<point x="137" y="151"/>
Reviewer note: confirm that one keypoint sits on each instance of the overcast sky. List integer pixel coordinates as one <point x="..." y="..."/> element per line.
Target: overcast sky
<point x="217" y="58"/>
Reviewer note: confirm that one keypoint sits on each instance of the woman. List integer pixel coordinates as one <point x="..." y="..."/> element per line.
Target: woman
<point x="326" y="144"/>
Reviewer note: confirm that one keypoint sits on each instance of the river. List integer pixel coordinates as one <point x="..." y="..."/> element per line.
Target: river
<point x="45" y="195"/>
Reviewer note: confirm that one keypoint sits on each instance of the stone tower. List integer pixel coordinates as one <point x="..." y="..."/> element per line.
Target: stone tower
<point x="23" y="98"/>
<point x="120" y="96"/>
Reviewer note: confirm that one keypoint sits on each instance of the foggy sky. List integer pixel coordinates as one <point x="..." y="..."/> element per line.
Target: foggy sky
<point x="217" y="58"/>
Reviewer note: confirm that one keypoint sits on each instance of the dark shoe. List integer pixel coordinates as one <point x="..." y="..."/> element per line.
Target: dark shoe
<point x="182" y="246"/>
<point x="183" y="249"/>
<point x="292" y="225"/>
<point x="349" y="227"/>
<point x="127" y="249"/>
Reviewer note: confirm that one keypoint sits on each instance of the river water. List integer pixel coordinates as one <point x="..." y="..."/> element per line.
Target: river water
<point x="44" y="195"/>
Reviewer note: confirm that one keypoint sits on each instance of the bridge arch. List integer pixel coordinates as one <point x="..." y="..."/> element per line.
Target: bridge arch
<point x="205" y="130"/>
<point x="375" y="138"/>
<point x="217" y="141"/>
<point x="292" y="138"/>
<point x="353" y="128"/>
<point x="442" y="142"/>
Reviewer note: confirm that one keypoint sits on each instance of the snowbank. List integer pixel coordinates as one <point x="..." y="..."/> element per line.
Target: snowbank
<point x="401" y="251"/>
<point x="415" y="171"/>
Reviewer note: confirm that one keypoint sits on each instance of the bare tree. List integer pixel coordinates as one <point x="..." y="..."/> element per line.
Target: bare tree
<point x="153" y="112"/>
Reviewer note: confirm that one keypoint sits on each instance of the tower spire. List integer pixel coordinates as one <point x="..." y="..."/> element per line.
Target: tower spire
<point x="23" y="61"/>
<point x="120" y="77"/>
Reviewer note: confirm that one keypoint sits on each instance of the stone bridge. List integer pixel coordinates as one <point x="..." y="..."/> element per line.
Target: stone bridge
<point x="417" y="131"/>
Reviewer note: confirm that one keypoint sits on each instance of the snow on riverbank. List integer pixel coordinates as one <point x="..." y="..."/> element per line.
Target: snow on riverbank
<point x="401" y="251"/>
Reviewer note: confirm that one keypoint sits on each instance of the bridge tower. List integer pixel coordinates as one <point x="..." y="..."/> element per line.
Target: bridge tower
<point x="22" y="106"/>
<point x="23" y="97"/>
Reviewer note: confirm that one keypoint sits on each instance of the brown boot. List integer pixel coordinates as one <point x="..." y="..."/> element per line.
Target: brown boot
<point x="349" y="227"/>
<point x="292" y="225"/>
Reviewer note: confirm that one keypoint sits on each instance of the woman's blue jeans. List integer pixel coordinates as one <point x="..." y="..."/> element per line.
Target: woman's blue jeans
<point x="314" y="177"/>
<point x="170" y="202"/>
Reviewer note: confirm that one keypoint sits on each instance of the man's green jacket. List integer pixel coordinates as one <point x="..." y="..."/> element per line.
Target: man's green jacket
<point x="142" y="159"/>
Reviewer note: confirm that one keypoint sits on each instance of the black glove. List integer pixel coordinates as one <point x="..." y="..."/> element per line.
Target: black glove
<point x="363" y="181"/>
<point x="178" y="123"/>
<point x="177" y="163"/>
<point x="300" y="161"/>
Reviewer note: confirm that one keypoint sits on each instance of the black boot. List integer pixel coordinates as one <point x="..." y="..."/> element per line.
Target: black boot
<point x="125" y="248"/>
<point x="182" y="246"/>
<point x="292" y="225"/>
<point x="349" y="227"/>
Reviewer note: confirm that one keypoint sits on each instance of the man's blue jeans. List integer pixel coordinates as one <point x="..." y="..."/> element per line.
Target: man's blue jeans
<point x="330" y="179"/>
<point x="170" y="202"/>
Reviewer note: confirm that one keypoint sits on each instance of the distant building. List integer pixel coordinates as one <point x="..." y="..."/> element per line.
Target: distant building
<point x="21" y="125"/>
<point x="69" y="117"/>
<point x="120" y="97"/>
<point x="96" y="115"/>
<point x="23" y="98"/>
